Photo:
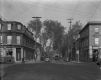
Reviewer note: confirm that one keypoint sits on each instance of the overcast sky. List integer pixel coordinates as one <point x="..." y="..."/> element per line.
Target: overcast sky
<point x="61" y="10"/>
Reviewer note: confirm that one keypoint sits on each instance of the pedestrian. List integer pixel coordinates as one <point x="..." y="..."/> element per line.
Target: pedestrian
<point x="99" y="59"/>
<point x="99" y="62"/>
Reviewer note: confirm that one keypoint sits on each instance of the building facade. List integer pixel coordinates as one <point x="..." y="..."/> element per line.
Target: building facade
<point x="16" y="41"/>
<point x="76" y="47"/>
<point x="90" y="41"/>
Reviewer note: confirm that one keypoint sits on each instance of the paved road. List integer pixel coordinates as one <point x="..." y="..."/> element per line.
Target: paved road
<point x="53" y="71"/>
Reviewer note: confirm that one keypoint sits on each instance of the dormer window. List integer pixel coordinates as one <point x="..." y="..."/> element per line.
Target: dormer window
<point x="19" y="27"/>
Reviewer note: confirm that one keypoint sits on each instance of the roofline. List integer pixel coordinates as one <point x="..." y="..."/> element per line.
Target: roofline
<point x="12" y="22"/>
<point x="91" y="23"/>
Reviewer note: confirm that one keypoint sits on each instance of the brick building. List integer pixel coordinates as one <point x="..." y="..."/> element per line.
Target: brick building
<point x="90" y="41"/>
<point x="16" y="41"/>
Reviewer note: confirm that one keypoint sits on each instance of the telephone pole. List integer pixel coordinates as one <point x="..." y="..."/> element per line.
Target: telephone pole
<point x="69" y="39"/>
<point x="35" y="36"/>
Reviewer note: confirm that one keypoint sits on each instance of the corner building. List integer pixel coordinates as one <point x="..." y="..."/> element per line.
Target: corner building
<point x="16" y="41"/>
<point x="90" y="41"/>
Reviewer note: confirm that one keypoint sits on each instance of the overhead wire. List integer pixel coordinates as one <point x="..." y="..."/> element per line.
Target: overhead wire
<point x="10" y="7"/>
<point x="60" y="11"/>
<point x="25" y="9"/>
<point x="2" y="12"/>
<point x="76" y="8"/>
<point x="23" y="6"/>
<point x="66" y="9"/>
<point x="93" y="4"/>
<point x="93" y="12"/>
<point x="49" y="7"/>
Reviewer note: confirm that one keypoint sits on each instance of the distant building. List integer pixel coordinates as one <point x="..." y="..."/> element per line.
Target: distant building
<point x="76" y="48"/>
<point x="16" y="41"/>
<point x="90" y="41"/>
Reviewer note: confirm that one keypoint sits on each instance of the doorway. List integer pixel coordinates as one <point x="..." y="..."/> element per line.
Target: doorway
<point x="95" y="55"/>
<point x="18" y="54"/>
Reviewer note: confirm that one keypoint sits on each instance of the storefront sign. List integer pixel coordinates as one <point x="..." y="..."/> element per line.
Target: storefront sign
<point x="95" y="47"/>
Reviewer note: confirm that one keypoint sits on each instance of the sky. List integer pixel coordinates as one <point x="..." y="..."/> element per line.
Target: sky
<point x="60" y="10"/>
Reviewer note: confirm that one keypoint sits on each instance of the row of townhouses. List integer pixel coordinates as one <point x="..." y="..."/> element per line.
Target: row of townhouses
<point x="88" y="45"/>
<point x="16" y="41"/>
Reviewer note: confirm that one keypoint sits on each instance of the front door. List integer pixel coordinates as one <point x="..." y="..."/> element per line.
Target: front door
<point x="95" y="54"/>
<point x="18" y="54"/>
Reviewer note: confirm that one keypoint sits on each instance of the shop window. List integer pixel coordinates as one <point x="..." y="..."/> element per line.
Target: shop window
<point x="9" y="53"/>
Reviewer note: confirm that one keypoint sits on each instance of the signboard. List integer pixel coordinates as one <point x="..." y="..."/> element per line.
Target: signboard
<point x="95" y="47"/>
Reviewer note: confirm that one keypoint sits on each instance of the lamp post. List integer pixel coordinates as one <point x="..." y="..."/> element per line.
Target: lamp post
<point x="36" y="34"/>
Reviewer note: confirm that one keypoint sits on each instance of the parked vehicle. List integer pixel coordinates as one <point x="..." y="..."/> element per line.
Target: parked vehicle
<point x="57" y="57"/>
<point x="66" y="59"/>
<point x="47" y="59"/>
<point x="42" y="58"/>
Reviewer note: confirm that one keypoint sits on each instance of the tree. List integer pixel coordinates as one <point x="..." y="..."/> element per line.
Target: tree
<point x="76" y="28"/>
<point x="53" y="31"/>
<point x="64" y="46"/>
<point x="35" y="25"/>
<point x="71" y="36"/>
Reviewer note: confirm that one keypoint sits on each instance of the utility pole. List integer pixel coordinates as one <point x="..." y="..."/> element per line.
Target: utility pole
<point x="35" y="36"/>
<point x="69" y="39"/>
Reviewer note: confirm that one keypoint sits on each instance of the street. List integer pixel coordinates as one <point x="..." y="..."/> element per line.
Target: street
<point x="53" y="71"/>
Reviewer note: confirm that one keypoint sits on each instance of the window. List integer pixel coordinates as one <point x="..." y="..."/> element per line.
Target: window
<point x="84" y="43"/>
<point x="96" y="29"/>
<point x="87" y="42"/>
<point x="97" y="41"/>
<point x="0" y="39"/>
<point x="19" y="27"/>
<point x="9" y="27"/>
<point x="9" y="39"/>
<point x="18" y="39"/>
<point x="0" y="26"/>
